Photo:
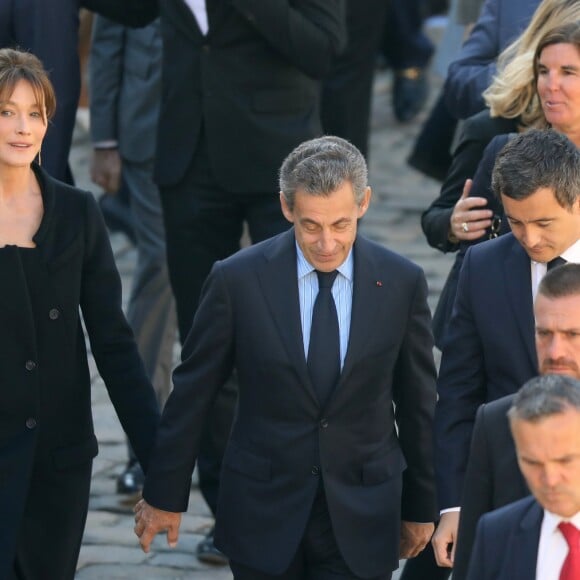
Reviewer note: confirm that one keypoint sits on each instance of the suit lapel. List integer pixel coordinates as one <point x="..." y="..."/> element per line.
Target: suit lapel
<point x="517" y="276"/>
<point x="524" y="556"/>
<point x="365" y="306"/>
<point x="279" y="283"/>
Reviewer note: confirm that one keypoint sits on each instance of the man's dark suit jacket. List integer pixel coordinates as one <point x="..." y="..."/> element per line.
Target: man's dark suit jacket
<point x="493" y="478"/>
<point x="506" y="544"/>
<point x="252" y="83"/>
<point x="488" y="352"/>
<point x="44" y="373"/>
<point x="282" y="441"/>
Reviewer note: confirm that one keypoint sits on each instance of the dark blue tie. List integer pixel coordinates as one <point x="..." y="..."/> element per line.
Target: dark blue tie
<point x="556" y="262"/>
<point x="324" y="348"/>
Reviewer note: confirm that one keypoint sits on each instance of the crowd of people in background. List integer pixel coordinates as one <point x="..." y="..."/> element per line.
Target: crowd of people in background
<point x="230" y="141"/>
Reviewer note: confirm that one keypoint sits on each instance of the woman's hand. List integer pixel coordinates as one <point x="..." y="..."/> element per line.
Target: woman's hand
<point x="467" y="222"/>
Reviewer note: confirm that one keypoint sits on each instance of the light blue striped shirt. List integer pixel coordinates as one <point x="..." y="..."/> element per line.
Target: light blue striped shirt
<point x="341" y="292"/>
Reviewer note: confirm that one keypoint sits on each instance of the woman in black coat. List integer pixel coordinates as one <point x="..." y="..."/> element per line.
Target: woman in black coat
<point x="55" y="263"/>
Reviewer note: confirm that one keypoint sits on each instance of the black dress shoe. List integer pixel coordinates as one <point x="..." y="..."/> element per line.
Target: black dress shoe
<point x="207" y="552"/>
<point x="131" y="480"/>
<point x="410" y="92"/>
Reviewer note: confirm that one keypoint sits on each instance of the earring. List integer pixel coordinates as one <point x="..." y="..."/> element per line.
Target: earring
<point x="39" y="157"/>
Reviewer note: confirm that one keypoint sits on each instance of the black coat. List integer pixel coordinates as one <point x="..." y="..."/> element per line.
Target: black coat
<point x="45" y="384"/>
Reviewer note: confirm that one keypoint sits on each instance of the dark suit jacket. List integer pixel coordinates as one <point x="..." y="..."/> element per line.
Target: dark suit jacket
<point x="500" y="22"/>
<point x="493" y="478"/>
<point x="125" y="85"/>
<point x="506" y="544"/>
<point x="252" y="83"/>
<point x="44" y="373"/>
<point x="282" y="441"/>
<point x="488" y="351"/>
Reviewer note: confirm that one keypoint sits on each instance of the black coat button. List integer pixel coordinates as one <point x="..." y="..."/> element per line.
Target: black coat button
<point x="30" y="365"/>
<point x="54" y="313"/>
<point x="31" y="423"/>
<point x="323" y="423"/>
<point x="315" y="470"/>
<point x="205" y="48"/>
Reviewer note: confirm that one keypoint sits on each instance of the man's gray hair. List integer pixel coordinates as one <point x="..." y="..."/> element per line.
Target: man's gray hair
<point x="320" y="166"/>
<point x="544" y="396"/>
<point x="538" y="159"/>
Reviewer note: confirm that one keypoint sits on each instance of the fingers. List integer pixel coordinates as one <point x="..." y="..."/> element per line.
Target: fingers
<point x="466" y="188"/>
<point x="444" y="539"/>
<point x="172" y="535"/>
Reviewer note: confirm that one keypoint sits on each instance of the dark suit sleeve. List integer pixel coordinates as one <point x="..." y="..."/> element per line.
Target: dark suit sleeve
<point x="477" y="494"/>
<point x="466" y="157"/>
<point x="462" y="388"/>
<point x="471" y="73"/>
<point x="309" y="33"/>
<point x="128" y="12"/>
<point x="207" y="361"/>
<point x="106" y="77"/>
<point x="111" y="339"/>
<point x="414" y="397"/>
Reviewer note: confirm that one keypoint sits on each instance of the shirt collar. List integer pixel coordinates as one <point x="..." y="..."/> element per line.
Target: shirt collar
<point x="551" y="521"/>
<point x="572" y="254"/>
<point x="305" y="267"/>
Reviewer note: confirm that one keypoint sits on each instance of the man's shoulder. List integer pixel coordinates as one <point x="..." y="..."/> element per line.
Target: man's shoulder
<point x="498" y="408"/>
<point x="511" y="514"/>
<point x="382" y="255"/>
<point x="490" y="250"/>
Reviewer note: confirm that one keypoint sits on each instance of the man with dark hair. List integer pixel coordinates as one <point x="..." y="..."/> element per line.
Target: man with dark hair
<point x="539" y="536"/>
<point x="323" y="477"/>
<point x="489" y="349"/>
<point x="493" y="478"/>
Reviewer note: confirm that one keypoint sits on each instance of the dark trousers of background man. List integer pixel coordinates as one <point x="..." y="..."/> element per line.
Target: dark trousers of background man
<point x="204" y="223"/>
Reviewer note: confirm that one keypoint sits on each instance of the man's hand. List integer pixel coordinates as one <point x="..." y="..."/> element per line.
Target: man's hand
<point x="445" y="539"/>
<point x="106" y="169"/>
<point x="414" y="537"/>
<point x="149" y="521"/>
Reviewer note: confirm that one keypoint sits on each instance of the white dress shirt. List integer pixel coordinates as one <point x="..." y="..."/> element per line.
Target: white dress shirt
<point x="341" y="292"/>
<point x="539" y="269"/>
<point x="199" y="10"/>
<point x="553" y="548"/>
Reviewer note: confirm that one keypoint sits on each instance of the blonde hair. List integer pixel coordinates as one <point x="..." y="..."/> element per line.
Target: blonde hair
<point x="16" y="66"/>
<point x="512" y="93"/>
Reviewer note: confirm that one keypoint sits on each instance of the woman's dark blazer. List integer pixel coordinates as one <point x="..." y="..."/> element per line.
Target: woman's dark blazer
<point x="45" y="386"/>
<point x="481" y="188"/>
<point x="477" y="132"/>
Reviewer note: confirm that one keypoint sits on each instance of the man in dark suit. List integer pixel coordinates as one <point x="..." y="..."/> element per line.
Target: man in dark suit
<point x="316" y="477"/>
<point x="125" y="94"/>
<point x="241" y="82"/>
<point x="489" y="349"/>
<point x="493" y="478"/>
<point x="539" y="536"/>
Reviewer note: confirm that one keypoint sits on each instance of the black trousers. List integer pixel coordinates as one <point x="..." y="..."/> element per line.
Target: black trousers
<point x="204" y="223"/>
<point x="318" y="556"/>
<point x="346" y="92"/>
<point x="52" y="525"/>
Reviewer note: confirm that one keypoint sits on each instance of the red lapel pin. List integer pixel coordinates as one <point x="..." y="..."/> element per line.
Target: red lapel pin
<point x="379" y="283"/>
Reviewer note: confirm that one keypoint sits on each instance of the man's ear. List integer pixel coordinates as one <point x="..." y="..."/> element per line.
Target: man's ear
<point x="285" y="209"/>
<point x="364" y="204"/>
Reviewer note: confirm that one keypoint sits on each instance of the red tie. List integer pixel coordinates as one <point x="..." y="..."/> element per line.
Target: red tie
<point x="571" y="568"/>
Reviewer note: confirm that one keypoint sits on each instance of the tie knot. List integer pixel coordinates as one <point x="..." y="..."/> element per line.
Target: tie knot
<point x="571" y="533"/>
<point x="558" y="261"/>
<point x="326" y="279"/>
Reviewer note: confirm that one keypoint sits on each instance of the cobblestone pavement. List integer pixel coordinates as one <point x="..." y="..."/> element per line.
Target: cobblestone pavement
<point x="110" y="550"/>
